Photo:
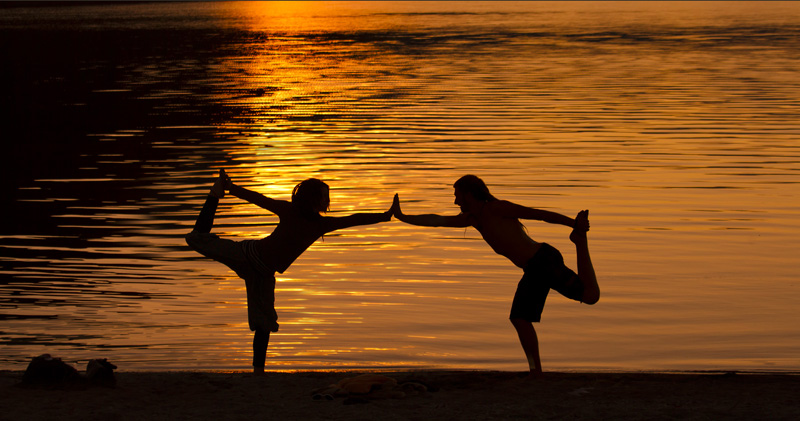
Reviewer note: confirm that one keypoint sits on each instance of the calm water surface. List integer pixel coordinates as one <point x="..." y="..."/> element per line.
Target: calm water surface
<point x="676" y="124"/>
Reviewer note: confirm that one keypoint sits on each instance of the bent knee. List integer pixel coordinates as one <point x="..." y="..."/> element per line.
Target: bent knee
<point x="591" y="298"/>
<point x="196" y="237"/>
<point x="199" y="241"/>
<point x="191" y="239"/>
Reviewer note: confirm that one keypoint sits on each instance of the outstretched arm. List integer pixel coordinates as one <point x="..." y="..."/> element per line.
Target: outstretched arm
<point x="513" y="210"/>
<point x="363" y="218"/>
<point x="273" y="205"/>
<point x="429" y="220"/>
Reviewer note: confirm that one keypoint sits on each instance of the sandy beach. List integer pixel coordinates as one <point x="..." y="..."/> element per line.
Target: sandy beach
<point x="459" y="395"/>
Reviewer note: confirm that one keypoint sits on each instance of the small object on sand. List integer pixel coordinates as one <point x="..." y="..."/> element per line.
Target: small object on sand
<point x="581" y="391"/>
<point x="365" y="387"/>
<point x="100" y="372"/>
<point x="46" y="370"/>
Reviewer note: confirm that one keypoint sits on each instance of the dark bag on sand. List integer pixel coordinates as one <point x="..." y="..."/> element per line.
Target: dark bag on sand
<point x="46" y="370"/>
<point x="100" y="372"/>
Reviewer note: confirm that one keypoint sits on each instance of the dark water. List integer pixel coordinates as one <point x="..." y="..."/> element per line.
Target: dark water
<point x="676" y="124"/>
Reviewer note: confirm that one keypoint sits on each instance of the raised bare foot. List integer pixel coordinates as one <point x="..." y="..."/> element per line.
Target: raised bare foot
<point x="581" y="227"/>
<point x="218" y="189"/>
<point x="226" y="180"/>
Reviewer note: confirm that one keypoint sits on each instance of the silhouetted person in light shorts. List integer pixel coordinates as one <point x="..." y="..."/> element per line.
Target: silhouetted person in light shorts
<point x="256" y="261"/>
<point x="543" y="266"/>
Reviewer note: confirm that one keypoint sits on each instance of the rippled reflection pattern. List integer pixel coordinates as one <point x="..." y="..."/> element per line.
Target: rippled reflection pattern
<point x="676" y="124"/>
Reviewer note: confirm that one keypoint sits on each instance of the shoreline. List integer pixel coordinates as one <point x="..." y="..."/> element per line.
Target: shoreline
<point x="449" y="394"/>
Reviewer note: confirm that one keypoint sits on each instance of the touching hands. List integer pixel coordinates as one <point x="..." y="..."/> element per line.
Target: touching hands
<point x="396" y="211"/>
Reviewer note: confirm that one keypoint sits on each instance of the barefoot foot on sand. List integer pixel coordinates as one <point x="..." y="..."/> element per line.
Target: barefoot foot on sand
<point x="581" y="227"/>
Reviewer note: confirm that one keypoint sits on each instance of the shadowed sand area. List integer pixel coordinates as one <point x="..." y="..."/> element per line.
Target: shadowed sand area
<point x="453" y="395"/>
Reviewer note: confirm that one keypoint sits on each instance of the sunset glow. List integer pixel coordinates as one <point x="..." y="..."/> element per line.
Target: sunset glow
<point x="675" y="123"/>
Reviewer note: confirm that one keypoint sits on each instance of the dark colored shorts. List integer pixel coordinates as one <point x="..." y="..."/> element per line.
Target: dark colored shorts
<point x="545" y="271"/>
<point x="260" y="282"/>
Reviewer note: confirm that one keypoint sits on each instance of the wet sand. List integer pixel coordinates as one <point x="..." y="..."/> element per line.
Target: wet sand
<point x="462" y="395"/>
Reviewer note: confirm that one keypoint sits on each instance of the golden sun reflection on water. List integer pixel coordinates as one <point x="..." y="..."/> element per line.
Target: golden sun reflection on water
<point x="677" y="128"/>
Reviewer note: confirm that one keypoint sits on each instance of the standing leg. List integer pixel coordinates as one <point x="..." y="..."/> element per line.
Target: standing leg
<point x="261" y="315"/>
<point x="260" y="344"/>
<point x="530" y="344"/>
<point x="591" y="290"/>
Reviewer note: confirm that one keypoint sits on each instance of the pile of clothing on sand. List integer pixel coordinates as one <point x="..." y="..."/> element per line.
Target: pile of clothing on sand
<point x="366" y="387"/>
<point x="51" y="372"/>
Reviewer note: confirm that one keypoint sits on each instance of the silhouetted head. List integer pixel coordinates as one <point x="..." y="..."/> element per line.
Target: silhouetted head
<point x="311" y="197"/>
<point x="470" y="189"/>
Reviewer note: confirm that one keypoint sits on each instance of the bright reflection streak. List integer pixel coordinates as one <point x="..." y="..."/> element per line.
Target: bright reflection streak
<point x="674" y="123"/>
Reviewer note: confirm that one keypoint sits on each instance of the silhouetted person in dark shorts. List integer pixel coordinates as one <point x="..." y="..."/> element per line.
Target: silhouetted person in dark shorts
<point x="256" y="261"/>
<point x="543" y="265"/>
